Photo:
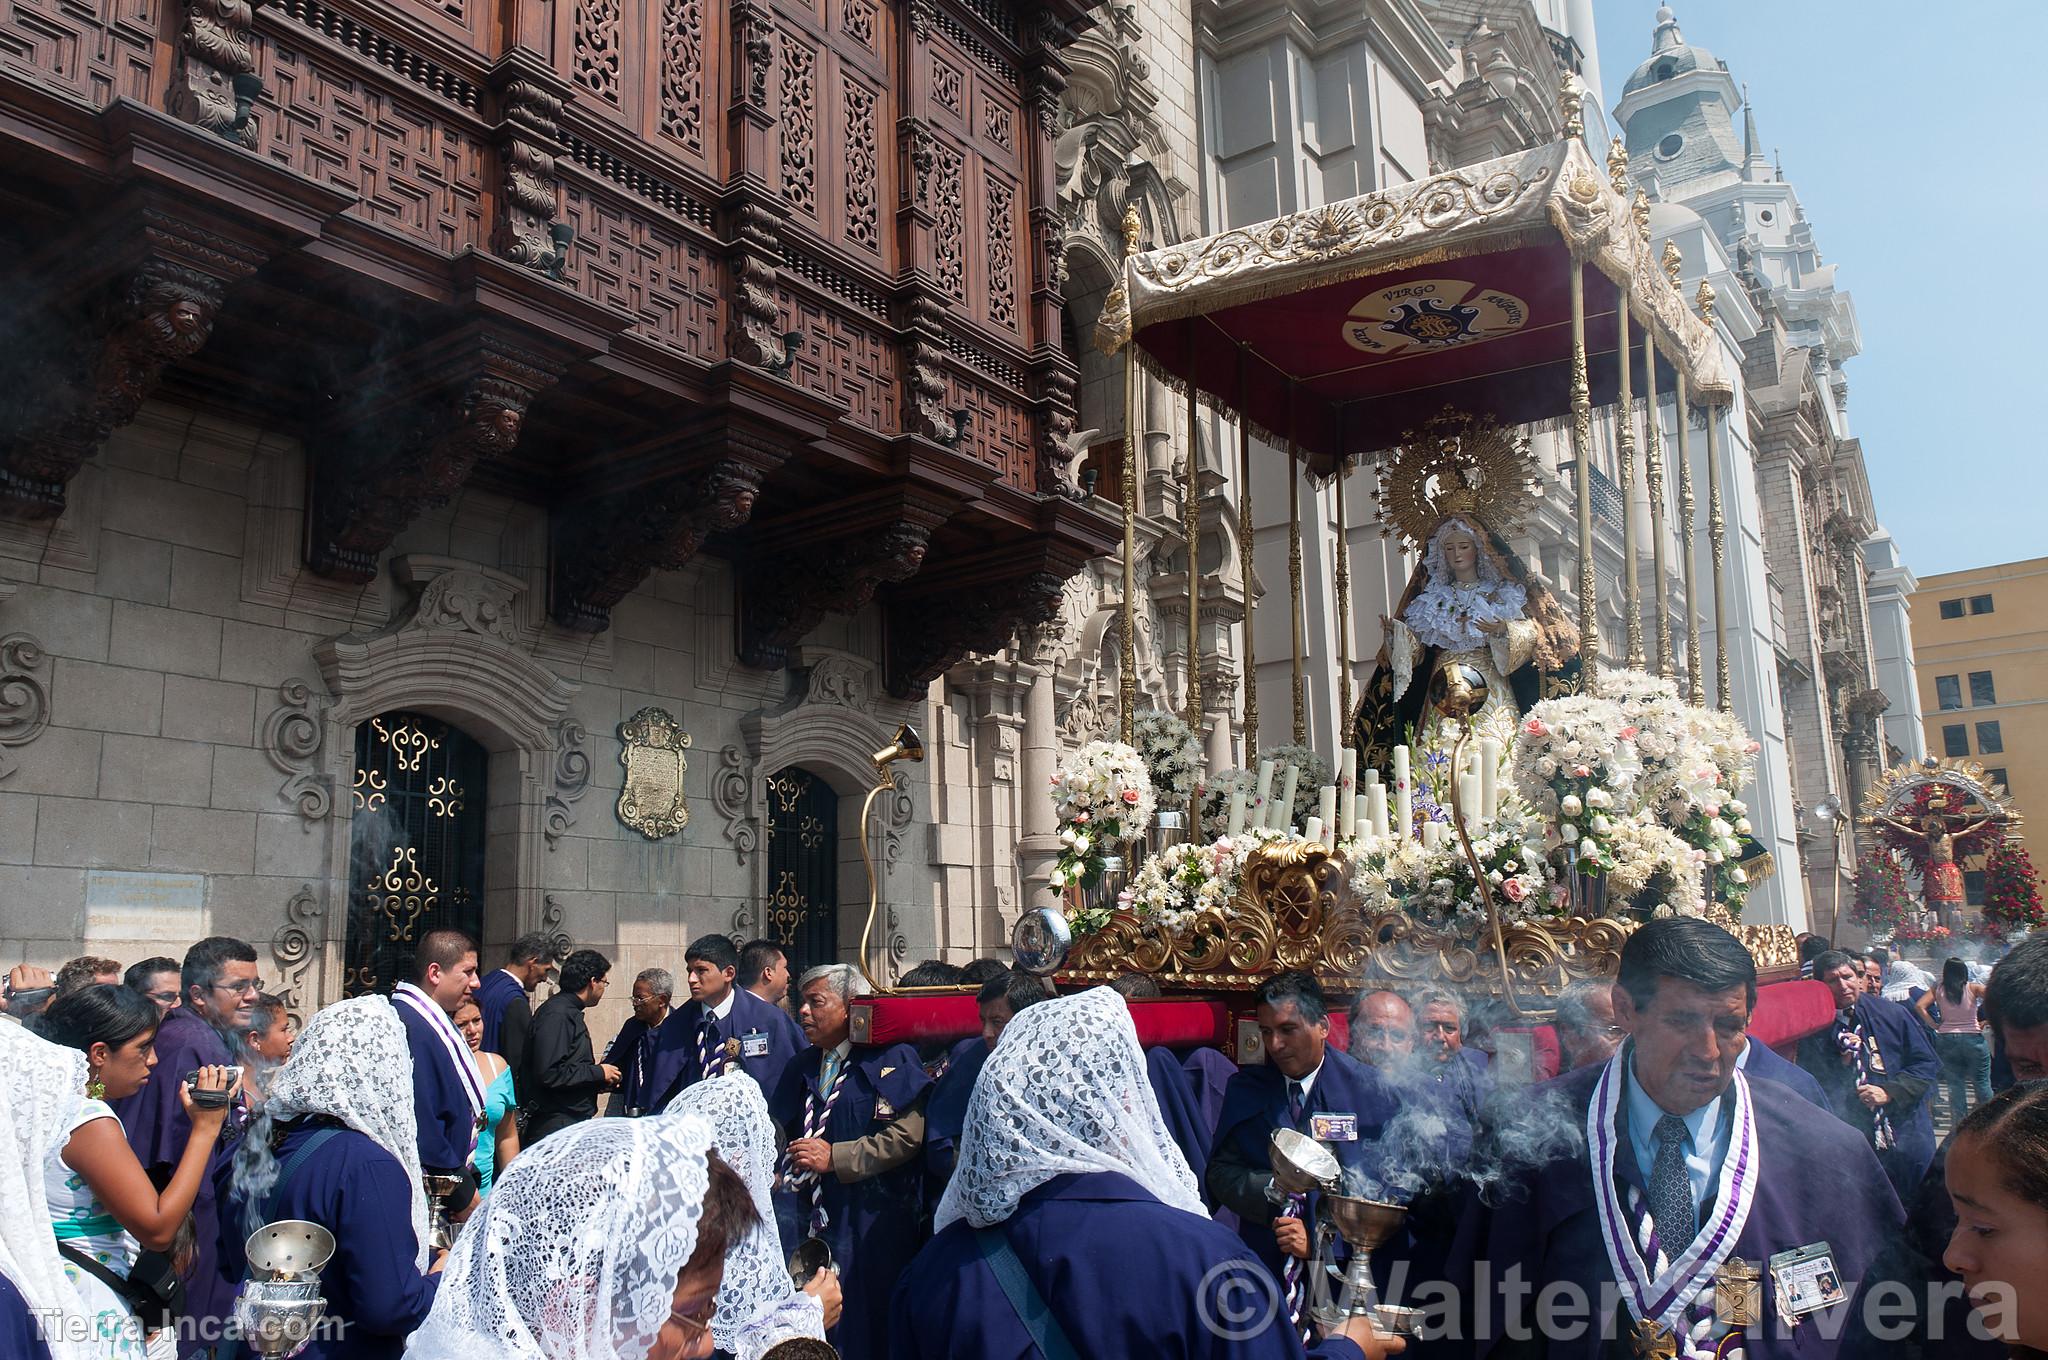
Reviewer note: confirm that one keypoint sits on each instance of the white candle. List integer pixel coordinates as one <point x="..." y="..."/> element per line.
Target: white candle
<point x="1330" y="832"/>
<point x="1314" y="830"/>
<point x="1468" y="798"/>
<point x="1326" y="806"/>
<point x="1404" y="795"/>
<point x="1283" y="811"/>
<point x="1347" y="786"/>
<point x="1237" y="796"/>
<point x="1430" y="832"/>
<point x="1372" y="776"/>
<point x="1376" y="808"/>
<point x="1362" y="830"/>
<point x="1489" y="777"/>
<point x="1264" y="801"/>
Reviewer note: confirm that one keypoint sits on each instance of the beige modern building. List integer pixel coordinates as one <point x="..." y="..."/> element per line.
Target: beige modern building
<point x="1980" y="642"/>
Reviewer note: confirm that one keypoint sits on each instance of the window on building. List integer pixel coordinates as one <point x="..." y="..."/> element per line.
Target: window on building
<point x="1982" y="693"/>
<point x="1670" y="146"/>
<point x="1996" y="774"/>
<point x="1973" y="887"/>
<point x="1980" y="604"/>
<point x="1951" y="609"/>
<point x="1989" y="741"/>
<point x="1955" y="740"/>
<point x="1948" y="691"/>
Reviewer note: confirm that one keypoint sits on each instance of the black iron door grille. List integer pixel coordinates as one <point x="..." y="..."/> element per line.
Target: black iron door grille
<point x="801" y="911"/>
<point x="416" y="844"/>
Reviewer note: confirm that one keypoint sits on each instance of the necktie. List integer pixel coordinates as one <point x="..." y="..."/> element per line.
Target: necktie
<point x="1671" y="1207"/>
<point x="710" y="1053"/>
<point x="1294" y="1103"/>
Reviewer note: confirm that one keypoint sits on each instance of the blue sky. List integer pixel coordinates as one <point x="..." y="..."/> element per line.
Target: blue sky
<point x="1911" y="132"/>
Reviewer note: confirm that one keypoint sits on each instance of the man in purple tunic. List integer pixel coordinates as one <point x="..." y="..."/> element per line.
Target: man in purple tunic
<point x="853" y="1121"/>
<point x="945" y="1112"/>
<point x="1704" y="1204"/>
<point x="447" y="1091"/>
<point x="1877" y="1065"/>
<point x="220" y="987"/>
<point x="650" y="1048"/>
<point x="1074" y="1219"/>
<point x="725" y="1025"/>
<point x="506" y="997"/>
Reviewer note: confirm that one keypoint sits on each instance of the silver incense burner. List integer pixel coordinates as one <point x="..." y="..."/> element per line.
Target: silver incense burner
<point x="281" y="1305"/>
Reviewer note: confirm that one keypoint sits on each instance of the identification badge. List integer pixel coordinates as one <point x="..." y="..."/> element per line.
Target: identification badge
<point x="1738" y="1294"/>
<point x="1333" y="1128"/>
<point x="1807" y="1280"/>
<point x="754" y="1045"/>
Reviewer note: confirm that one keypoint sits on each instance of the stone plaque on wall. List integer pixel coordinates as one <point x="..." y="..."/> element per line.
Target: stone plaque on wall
<point x="138" y="907"/>
<point x="651" y="800"/>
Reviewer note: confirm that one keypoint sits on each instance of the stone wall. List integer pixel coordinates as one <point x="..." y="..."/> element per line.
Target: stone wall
<point x="201" y="693"/>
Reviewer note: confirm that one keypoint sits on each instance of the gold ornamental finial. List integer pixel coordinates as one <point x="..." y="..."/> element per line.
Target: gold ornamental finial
<point x="1571" y="106"/>
<point x="1617" y="167"/>
<point x="1132" y="226"/>
<point x="1705" y="299"/>
<point x="1674" y="263"/>
<point x="1640" y="211"/>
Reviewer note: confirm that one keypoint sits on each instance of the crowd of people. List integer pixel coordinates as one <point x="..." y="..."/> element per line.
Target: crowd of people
<point x="734" y="1173"/>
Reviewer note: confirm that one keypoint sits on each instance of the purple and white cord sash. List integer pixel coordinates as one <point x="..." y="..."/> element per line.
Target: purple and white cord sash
<point x="437" y="1019"/>
<point x="1663" y="1292"/>
<point x="817" y="1112"/>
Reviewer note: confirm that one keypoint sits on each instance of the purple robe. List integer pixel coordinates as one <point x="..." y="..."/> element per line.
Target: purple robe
<point x="945" y="1111"/>
<point x="750" y="1018"/>
<point x="1911" y="1067"/>
<point x="1818" y="1182"/>
<point x="1124" y="1274"/>
<point x="1209" y="1073"/>
<point x="1764" y="1064"/>
<point x="649" y="1062"/>
<point x="873" y="1224"/>
<point x="493" y="996"/>
<point x="358" y="1192"/>
<point x="1179" y="1108"/>
<point x="158" y="1129"/>
<point x="440" y="1101"/>
<point x="21" y="1331"/>
<point x="1256" y="1103"/>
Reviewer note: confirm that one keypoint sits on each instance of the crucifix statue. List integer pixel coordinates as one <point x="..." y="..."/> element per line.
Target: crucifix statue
<point x="1939" y="828"/>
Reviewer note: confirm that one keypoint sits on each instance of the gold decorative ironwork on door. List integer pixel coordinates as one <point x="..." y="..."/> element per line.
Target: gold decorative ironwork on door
<point x="416" y="845"/>
<point x="802" y="908"/>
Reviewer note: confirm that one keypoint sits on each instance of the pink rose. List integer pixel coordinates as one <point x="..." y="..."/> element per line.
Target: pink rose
<point x="1534" y="727"/>
<point x="1080" y="816"/>
<point x="1753" y="747"/>
<point x="1627" y="734"/>
<point x="1513" y="890"/>
<point x="1131" y="796"/>
<point x="1582" y="772"/>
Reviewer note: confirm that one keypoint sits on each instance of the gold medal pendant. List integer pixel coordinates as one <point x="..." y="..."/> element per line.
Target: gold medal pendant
<point x="1738" y="1294"/>
<point x="1653" y="1342"/>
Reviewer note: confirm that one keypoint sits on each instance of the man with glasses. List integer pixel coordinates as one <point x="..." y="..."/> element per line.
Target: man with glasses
<point x="219" y="988"/>
<point x="1453" y="1077"/>
<point x="156" y="979"/>
<point x="1382" y="1030"/>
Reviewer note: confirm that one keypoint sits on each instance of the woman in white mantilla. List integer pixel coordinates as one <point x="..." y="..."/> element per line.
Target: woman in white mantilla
<point x="1454" y="491"/>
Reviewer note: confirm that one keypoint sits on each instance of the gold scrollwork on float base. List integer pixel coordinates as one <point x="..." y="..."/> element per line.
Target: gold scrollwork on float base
<point x="1297" y="910"/>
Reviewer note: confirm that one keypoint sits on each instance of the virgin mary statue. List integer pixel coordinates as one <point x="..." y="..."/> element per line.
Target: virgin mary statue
<point x="1454" y="491"/>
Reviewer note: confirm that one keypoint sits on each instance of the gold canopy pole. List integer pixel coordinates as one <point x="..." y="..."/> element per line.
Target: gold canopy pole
<point x="1582" y="453"/>
<point x="1244" y="566"/>
<point x="1127" y="684"/>
<point x="1343" y="610"/>
<point x="1625" y="437"/>
<point x="1191" y="529"/>
<point x="1717" y="535"/>
<point x="1294" y="580"/>
<point x="1653" y="464"/>
<point x="1696" y="680"/>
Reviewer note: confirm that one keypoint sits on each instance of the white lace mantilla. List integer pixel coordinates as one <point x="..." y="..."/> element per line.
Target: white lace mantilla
<point x="576" y="1254"/>
<point x="42" y="1088"/>
<point x="1065" y="1091"/>
<point x="758" y="1307"/>
<point x="352" y="1063"/>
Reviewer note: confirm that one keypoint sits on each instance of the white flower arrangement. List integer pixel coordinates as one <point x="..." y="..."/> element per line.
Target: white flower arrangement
<point x="1651" y="858"/>
<point x="1437" y="886"/>
<point x="1172" y="754"/>
<point x="1102" y="795"/>
<point x="1574" y="767"/>
<point x="1215" y="794"/>
<point x="1175" y="885"/>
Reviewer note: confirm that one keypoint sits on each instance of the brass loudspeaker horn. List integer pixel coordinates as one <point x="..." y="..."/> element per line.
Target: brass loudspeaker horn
<point x="907" y="745"/>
